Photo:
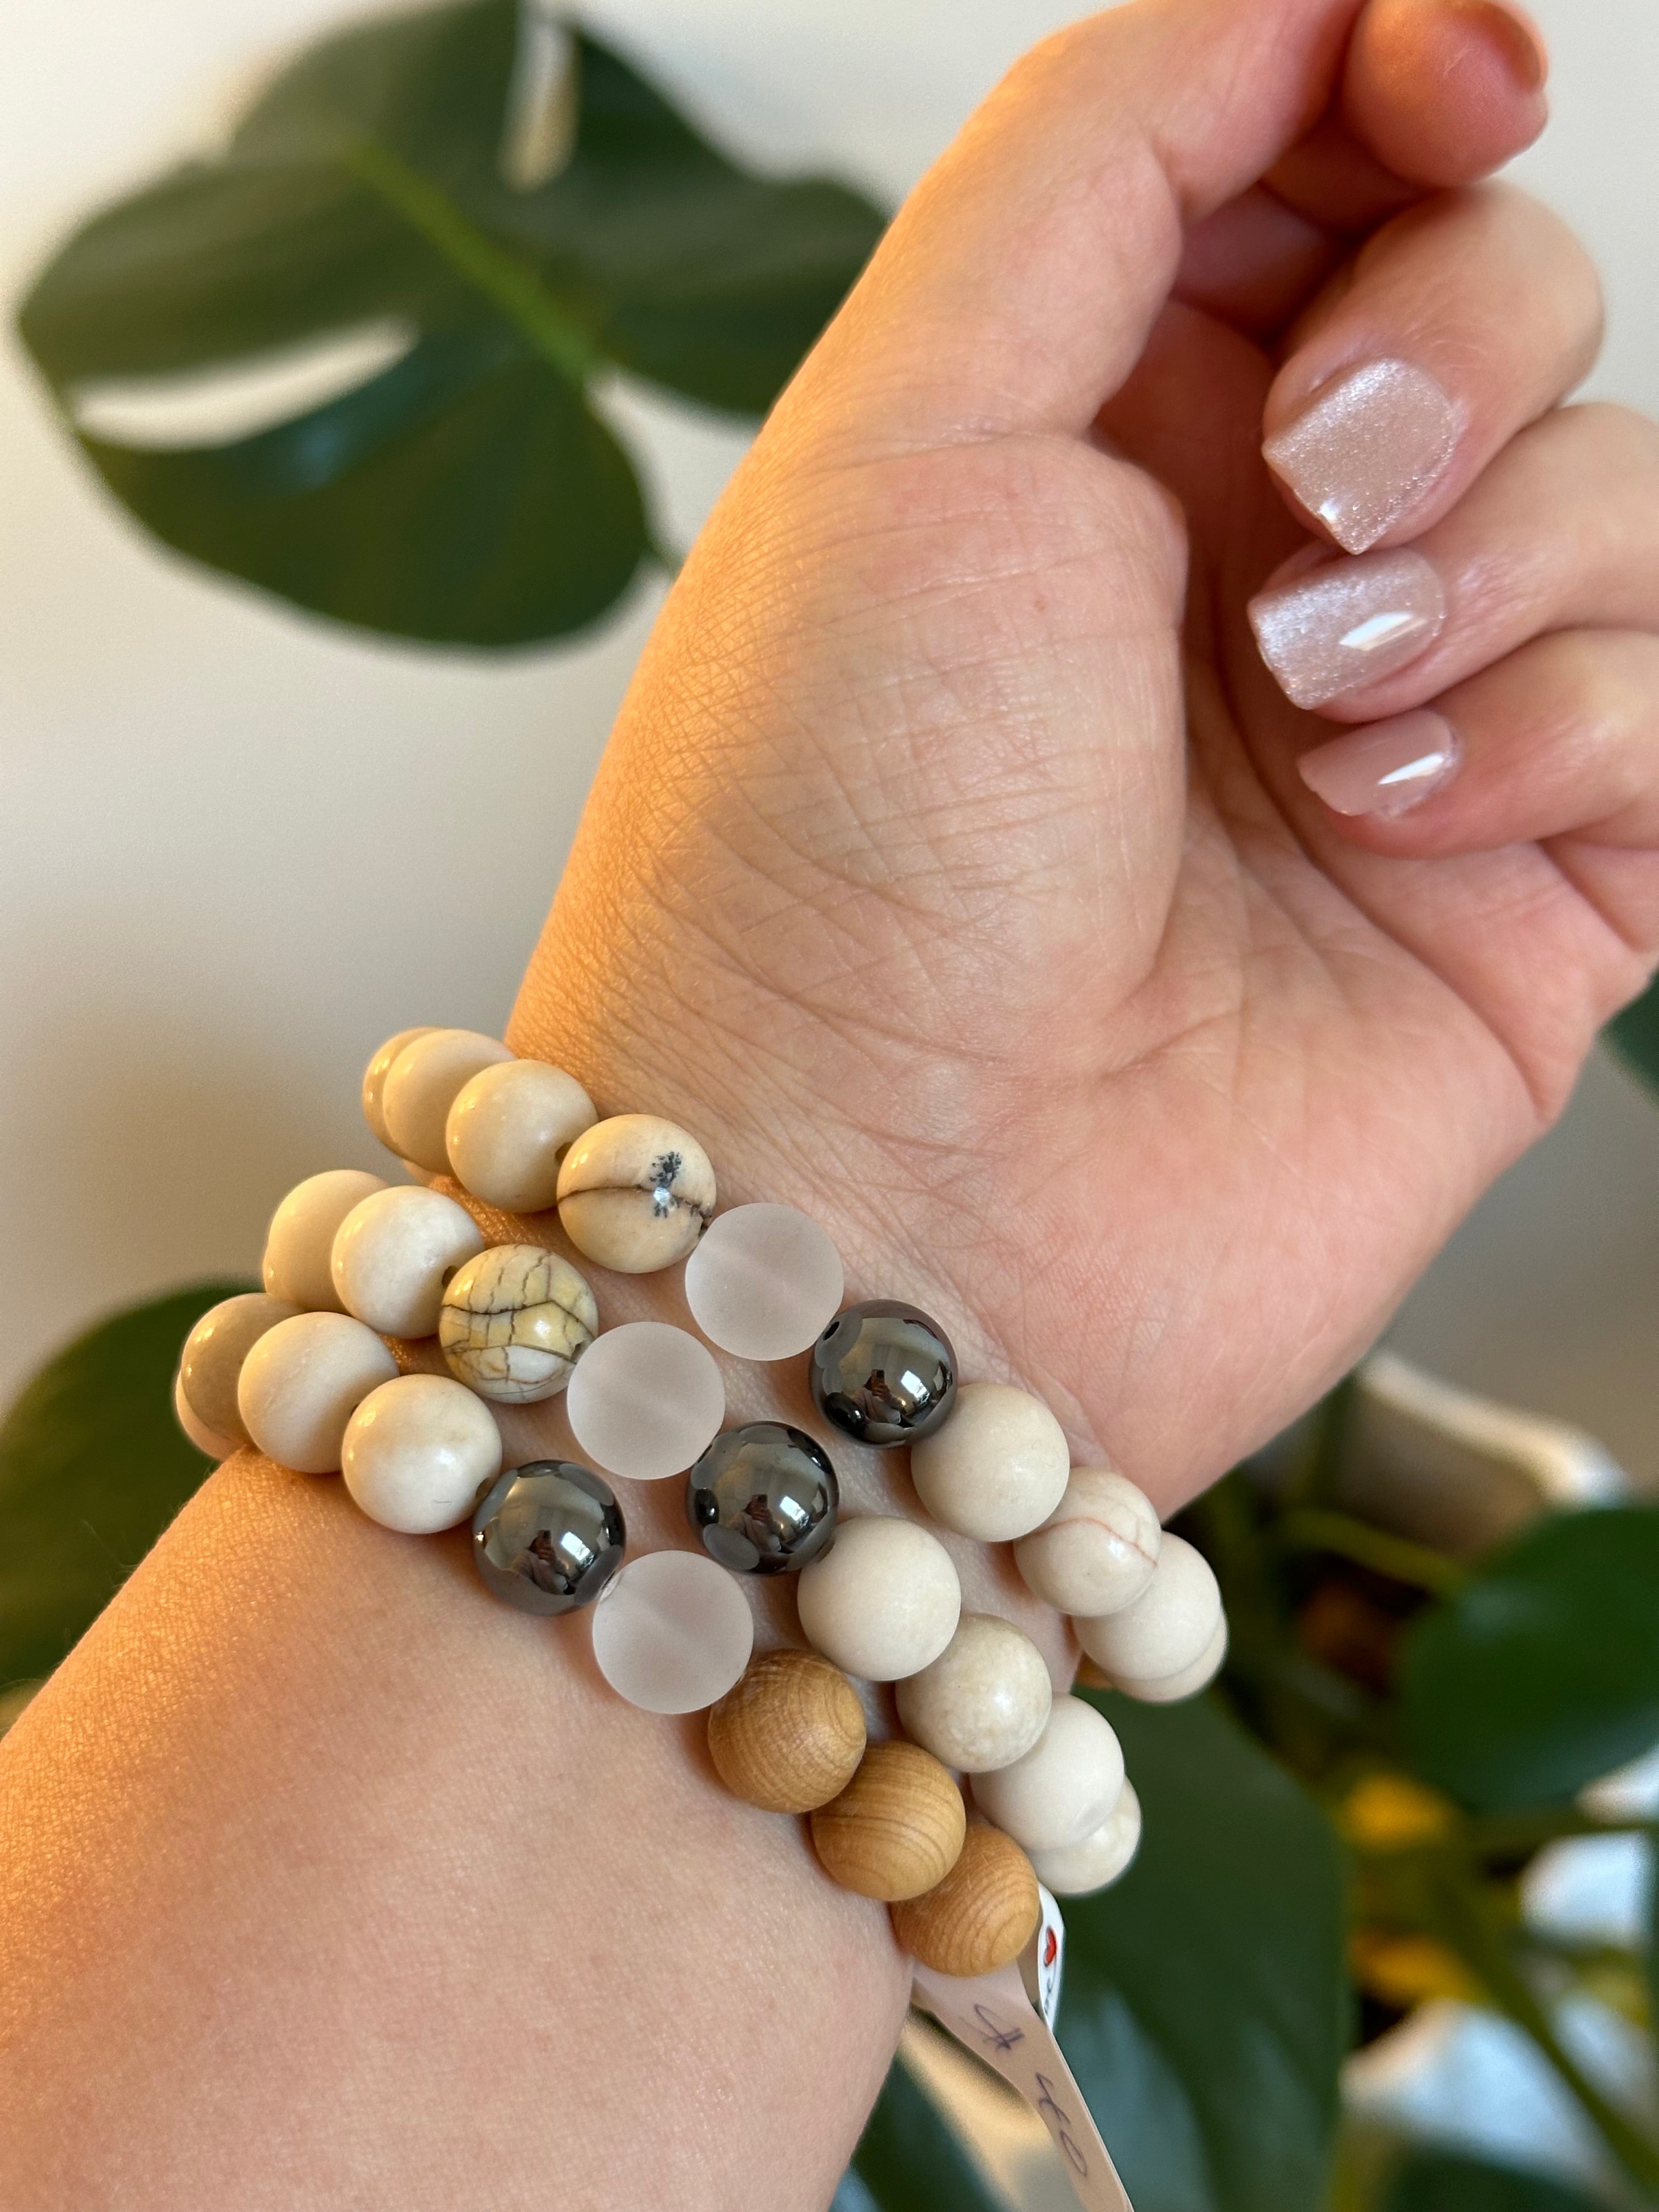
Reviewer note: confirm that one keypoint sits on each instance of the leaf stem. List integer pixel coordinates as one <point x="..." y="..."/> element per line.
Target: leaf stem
<point x="1317" y="1529"/>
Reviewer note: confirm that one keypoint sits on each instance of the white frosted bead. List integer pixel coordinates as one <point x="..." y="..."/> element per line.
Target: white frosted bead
<point x="211" y="1361"/>
<point x="1168" y="1626"/>
<point x="984" y="1701"/>
<point x="416" y="1452"/>
<point x="375" y="1076"/>
<point x="1169" y="1689"/>
<point x="1065" y="1785"/>
<point x="1095" y="1552"/>
<point x="394" y="1255"/>
<point x="996" y="1468"/>
<point x="205" y="1438"/>
<point x="515" y="1321"/>
<point x="1077" y="1869"/>
<point x="508" y="1129"/>
<point x="421" y="1085"/>
<point x="672" y="1631"/>
<point x="635" y="1193"/>
<point x="646" y="1401"/>
<point x="882" y="1601"/>
<point x="302" y="1383"/>
<point x="764" y="1282"/>
<point x="299" y="1241"/>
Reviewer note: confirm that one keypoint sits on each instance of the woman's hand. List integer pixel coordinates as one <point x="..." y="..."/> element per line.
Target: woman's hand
<point x="951" y="870"/>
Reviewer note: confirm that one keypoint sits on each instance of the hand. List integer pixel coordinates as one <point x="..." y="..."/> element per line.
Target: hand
<point x="951" y="870"/>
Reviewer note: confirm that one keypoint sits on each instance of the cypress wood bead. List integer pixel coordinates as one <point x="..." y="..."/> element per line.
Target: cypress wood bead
<point x="981" y="1915"/>
<point x="211" y="1364"/>
<point x="790" y="1737"/>
<point x="897" y="1829"/>
<point x="375" y="1073"/>
<point x="635" y="1193"/>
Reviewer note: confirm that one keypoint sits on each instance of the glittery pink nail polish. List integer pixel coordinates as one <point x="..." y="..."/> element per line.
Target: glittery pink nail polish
<point x="1386" y="768"/>
<point x="1367" y="449"/>
<point x="1347" y="623"/>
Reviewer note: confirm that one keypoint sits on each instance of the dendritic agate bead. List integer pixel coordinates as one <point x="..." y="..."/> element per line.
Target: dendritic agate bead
<point x="883" y="1373"/>
<point x="421" y="1085"/>
<point x="515" y="1321"/>
<point x="1095" y="1552"/>
<point x="789" y="1736"/>
<point x="507" y="1130"/>
<point x="548" y="1536"/>
<point x="763" y="1282"/>
<point x="417" y="1452"/>
<point x="1063" y="1788"/>
<point x="300" y="1242"/>
<point x="673" y="1633"/>
<point x="375" y="1076"/>
<point x="1168" y="1629"/>
<point x="211" y="1364"/>
<point x="1076" y="1870"/>
<point x="646" y="1401"/>
<point x="984" y="1701"/>
<point x="762" y="1498"/>
<point x="395" y="1254"/>
<point x="635" y="1193"/>
<point x="997" y="1468"/>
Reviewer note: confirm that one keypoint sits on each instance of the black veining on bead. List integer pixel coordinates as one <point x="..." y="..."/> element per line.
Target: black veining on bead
<point x="548" y="1536"/>
<point x="763" y="1498"/>
<point x="883" y="1373"/>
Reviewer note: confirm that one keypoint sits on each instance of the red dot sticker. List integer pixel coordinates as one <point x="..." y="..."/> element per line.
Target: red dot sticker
<point x="1050" y="1948"/>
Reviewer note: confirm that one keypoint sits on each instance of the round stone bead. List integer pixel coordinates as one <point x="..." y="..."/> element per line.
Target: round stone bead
<point x="507" y="1130"/>
<point x="1095" y="1552"/>
<point x="375" y="1076"/>
<point x="299" y="1241"/>
<point x="1185" y="1682"/>
<point x="635" y="1193"/>
<point x="997" y="1468"/>
<point x="1168" y="1626"/>
<point x="981" y="1915"/>
<point x="548" y="1536"/>
<point x="646" y="1401"/>
<point x="883" y="1373"/>
<point x="763" y="1282"/>
<point x="790" y="1735"/>
<point x="205" y="1438"/>
<point x="762" y="1498"/>
<point x="673" y="1633"/>
<point x="301" y="1383"/>
<point x="1077" y="1869"/>
<point x="1065" y="1785"/>
<point x="514" y="1320"/>
<point x="421" y="1085"/>
<point x="211" y="1364"/>
<point x="882" y="1601"/>
<point x="417" y="1452"/>
<point x="897" y="1829"/>
<point x="984" y="1701"/>
<point x="395" y="1254"/>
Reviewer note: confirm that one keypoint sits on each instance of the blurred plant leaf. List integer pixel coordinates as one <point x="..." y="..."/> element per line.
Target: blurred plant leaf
<point x="1444" y="2181"/>
<point x="468" y="494"/>
<point x="1634" y="1036"/>
<point x="1542" y="1671"/>
<point x="93" y="1467"/>
<point x="910" y="2159"/>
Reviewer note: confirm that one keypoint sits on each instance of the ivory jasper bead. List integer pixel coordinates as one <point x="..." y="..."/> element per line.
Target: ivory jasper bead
<point x="1095" y="1552"/>
<point x="1186" y="1682"/>
<point x="646" y="1401"/>
<point x="301" y="1239"/>
<point x="205" y="1438"/>
<point x="1077" y="1869"/>
<point x="897" y="1829"/>
<point x="790" y="1735"/>
<point x="672" y="1631"/>
<point x="421" y="1085"/>
<point x="984" y="1701"/>
<point x="1170" y="1626"/>
<point x="417" y="1451"/>
<point x="1065" y="1785"/>
<point x="981" y="1915"/>
<point x="882" y="1601"/>
<point x="515" y="1321"/>
<point x="375" y="1076"/>
<point x="211" y="1361"/>
<point x="301" y="1383"/>
<point x="633" y="1194"/>
<point x="763" y="1282"/>
<point x="997" y="1468"/>
<point x="394" y="1256"/>
<point x="507" y="1130"/>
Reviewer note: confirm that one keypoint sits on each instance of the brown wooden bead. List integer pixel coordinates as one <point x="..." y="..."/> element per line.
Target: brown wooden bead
<point x="981" y="1915"/>
<point x="790" y="1735"/>
<point x="897" y="1828"/>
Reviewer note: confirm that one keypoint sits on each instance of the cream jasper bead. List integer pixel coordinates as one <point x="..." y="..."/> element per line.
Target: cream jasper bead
<point x="1064" y="1787"/>
<point x="205" y="1438"/>
<point x="1095" y="1552"/>
<point x="375" y="1076"/>
<point x="1186" y="1682"/>
<point x="301" y="1239"/>
<point x="301" y="1383"/>
<point x="997" y="1468"/>
<point x="635" y="1193"/>
<point x="1078" y="1869"/>
<point x="1170" y="1626"/>
<point x="416" y="1452"/>
<point x="882" y="1601"/>
<point x="984" y="1701"/>
<point x="508" y="1129"/>
<point x="515" y="1321"/>
<point x="395" y="1254"/>
<point x="212" y="1358"/>
<point x="423" y="1083"/>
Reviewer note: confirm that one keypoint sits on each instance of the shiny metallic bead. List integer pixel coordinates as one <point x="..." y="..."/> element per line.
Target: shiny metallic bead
<point x="883" y="1373"/>
<point x="548" y="1536"/>
<point x="762" y="1498"/>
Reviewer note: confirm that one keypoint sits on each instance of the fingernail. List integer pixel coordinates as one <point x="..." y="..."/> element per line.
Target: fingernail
<point x="1348" y="623"/>
<point x="1368" y="449"/>
<point x="1384" y="770"/>
<point x="1517" y="40"/>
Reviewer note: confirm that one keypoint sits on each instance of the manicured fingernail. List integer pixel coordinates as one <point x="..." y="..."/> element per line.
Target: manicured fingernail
<point x="1348" y="623"/>
<point x="1368" y="449"/>
<point x="1385" y="770"/>
<point x="1518" y="41"/>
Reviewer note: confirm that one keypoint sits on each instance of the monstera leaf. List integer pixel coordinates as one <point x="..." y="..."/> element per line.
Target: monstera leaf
<point x="469" y="492"/>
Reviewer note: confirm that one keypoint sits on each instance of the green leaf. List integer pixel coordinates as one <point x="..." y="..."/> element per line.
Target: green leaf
<point x="910" y="2159"/>
<point x="1443" y="2181"/>
<point x="1635" y="1036"/>
<point x="93" y="1467"/>
<point x="1542" y="1671"/>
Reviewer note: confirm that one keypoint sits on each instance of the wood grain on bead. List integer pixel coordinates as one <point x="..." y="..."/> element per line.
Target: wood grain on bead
<point x="897" y="1828"/>
<point x="981" y="1915"/>
<point x="790" y="1737"/>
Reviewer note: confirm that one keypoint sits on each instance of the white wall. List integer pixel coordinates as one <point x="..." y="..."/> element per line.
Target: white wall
<point x="239" y="847"/>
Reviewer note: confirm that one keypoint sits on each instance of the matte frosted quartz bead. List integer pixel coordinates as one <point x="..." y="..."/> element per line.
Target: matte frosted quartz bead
<point x="646" y="1401"/>
<point x="984" y="1701"/>
<point x="416" y="1452"/>
<point x="395" y="1254"/>
<point x="635" y="1193"/>
<point x="997" y="1468"/>
<point x="375" y="1076"/>
<point x="1170" y="1689"/>
<point x="764" y="1281"/>
<point x="211" y="1361"/>
<point x="1063" y="1788"/>
<point x="672" y="1631"/>
<point x="203" y="1438"/>
<point x="548" y="1536"/>
<point x="883" y="1373"/>
<point x="508" y="1129"/>
<point x="300" y="1242"/>
<point x="1078" y="1869"/>
<point x="1169" y="1625"/>
<point x="515" y="1321"/>
<point x="882" y="1601"/>
<point x="302" y="1383"/>
<point x="762" y="1498"/>
<point x="423" y="1083"/>
<point x="1095" y="1552"/>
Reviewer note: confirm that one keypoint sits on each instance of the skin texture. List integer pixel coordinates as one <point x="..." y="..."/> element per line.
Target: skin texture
<point x="950" y="873"/>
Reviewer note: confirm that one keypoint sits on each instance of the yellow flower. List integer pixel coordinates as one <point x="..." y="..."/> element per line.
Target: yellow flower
<point x="1390" y="1812"/>
<point x="1405" y="1970"/>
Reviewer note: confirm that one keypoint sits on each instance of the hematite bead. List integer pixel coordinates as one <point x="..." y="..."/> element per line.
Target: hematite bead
<point x="883" y="1373"/>
<point x="762" y="1498"/>
<point x="548" y="1536"/>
